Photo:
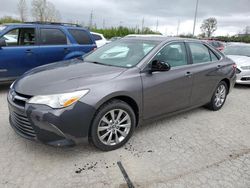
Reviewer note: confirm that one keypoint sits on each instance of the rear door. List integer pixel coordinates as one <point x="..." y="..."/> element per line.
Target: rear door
<point x="20" y="53"/>
<point x="169" y="91"/>
<point x="205" y="70"/>
<point x="54" y="45"/>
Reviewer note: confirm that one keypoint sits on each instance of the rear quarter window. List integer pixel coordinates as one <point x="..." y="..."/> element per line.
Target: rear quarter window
<point x="81" y="36"/>
<point x="97" y="37"/>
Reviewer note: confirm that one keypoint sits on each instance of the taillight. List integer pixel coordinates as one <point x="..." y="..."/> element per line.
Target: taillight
<point x="234" y="66"/>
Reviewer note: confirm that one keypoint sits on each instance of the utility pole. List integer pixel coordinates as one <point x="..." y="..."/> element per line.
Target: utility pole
<point x="91" y="19"/>
<point x="157" y="25"/>
<point x="195" y="16"/>
<point x="178" y="27"/>
<point x="142" y="25"/>
<point x="103" y="24"/>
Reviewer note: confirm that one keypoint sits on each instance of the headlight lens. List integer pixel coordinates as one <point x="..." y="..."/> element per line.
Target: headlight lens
<point x="245" y="67"/>
<point x="58" y="100"/>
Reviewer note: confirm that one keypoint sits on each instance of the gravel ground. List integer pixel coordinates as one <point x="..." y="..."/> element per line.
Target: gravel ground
<point x="198" y="148"/>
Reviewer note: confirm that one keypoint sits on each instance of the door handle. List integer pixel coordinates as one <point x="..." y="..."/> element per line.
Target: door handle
<point x="29" y="51"/>
<point x="218" y="66"/>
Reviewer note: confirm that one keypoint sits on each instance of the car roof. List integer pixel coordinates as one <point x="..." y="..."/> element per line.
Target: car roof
<point x="66" y="25"/>
<point x="238" y="44"/>
<point x="159" y="38"/>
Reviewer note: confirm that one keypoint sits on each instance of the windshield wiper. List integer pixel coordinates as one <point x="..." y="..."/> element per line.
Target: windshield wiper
<point x="95" y="62"/>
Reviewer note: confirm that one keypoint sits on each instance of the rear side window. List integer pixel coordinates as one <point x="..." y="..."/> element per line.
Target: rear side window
<point x="200" y="53"/>
<point x="213" y="56"/>
<point x="97" y="37"/>
<point x="80" y="36"/>
<point x="53" y="37"/>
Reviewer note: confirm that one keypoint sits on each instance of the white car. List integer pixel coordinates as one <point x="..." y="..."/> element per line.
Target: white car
<point x="240" y="54"/>
<point x="100" y="40"/>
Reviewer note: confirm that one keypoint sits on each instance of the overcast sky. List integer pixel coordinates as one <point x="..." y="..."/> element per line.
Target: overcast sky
<point x="232" y="15"/>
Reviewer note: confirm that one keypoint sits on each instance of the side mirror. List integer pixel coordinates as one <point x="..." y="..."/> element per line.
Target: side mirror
<point x="159" y="66"/>
<point x="2" y="43"/>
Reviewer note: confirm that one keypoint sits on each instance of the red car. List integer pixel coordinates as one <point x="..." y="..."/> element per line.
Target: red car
<point x="216" y="44"/>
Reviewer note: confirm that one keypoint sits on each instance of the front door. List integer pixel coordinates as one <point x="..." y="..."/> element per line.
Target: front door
<point x="20" y="53"/>
<point x="170" y="91"/>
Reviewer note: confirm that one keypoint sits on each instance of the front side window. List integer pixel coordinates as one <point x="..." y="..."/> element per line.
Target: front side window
<point x="53" y="37"/>
<point x="80" y="36"/>
<point x="200" y="53"/>
<point x="20" y="37"/>
<point x="173" y="54"/>
<point x="122" y="53"/>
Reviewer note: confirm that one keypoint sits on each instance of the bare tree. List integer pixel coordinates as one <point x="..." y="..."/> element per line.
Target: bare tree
<point x="22" y="10"/>
<point x="209" y="26"/>
<point x="45" y="11"/>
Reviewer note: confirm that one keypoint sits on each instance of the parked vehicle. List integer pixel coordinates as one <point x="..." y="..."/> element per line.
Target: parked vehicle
<point x="114" y="39"/>
<point x="99" y="39"/>
<point x="25" y="46"/>
<point x="103" y="97"/>
<point x="216" y="44"/>
<point x="240" y="54"/>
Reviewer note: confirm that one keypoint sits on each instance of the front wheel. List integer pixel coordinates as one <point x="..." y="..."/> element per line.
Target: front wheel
<point x="219" y="97"/>
<point x="113" y="125"/>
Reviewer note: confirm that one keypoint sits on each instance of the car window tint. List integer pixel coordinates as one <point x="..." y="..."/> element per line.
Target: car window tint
<point x="80" y="36"/>
<point x="53" y="37"/>
<point x="173" y="54"/>
<point x="213" y="56"/>
<point x="97" y="37"/>
<point x="200" y="53"/>
<point x="20" y="37"/>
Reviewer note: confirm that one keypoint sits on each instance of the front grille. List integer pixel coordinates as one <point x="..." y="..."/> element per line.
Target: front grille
<point x="22" y="124"/>
<point x="245" y="79"/>
<point x="19" y="99"/>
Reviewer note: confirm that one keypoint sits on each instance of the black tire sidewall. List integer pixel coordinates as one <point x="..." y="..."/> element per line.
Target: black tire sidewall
<point x="116" y="104"/>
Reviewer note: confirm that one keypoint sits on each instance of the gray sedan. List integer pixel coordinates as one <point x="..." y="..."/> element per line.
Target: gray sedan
<point x="104" y="96"/>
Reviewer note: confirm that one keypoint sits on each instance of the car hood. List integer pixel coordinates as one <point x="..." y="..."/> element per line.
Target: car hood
<point x="65" y="76"/>
<point x="240" y="60"/>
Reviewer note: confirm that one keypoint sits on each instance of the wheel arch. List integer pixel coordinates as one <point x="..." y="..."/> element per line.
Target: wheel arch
<point x="227" y="81"/>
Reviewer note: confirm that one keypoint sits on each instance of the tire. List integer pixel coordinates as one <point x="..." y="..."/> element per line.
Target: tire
<point x="215" y="104"/>
<point x="114" y="118"/>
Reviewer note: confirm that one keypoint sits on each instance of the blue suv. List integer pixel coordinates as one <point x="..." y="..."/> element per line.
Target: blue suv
<point x="28" y="45"/>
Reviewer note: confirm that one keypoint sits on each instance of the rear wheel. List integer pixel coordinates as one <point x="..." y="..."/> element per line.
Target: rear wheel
<point x="219" y="97"/>
<point x="113" y="125"/>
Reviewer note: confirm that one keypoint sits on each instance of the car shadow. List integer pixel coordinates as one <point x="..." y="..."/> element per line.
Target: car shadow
<point x="238" y="86"/>
<point x="4" y="87"/>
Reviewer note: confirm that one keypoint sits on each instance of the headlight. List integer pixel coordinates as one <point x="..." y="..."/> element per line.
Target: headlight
<point x="58" y="100"/>
<point x="245" y="67"/>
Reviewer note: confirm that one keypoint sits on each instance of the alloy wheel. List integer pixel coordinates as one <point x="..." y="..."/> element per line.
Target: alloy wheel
<point x="220" y="96"/>
<point x="114" y="127"/>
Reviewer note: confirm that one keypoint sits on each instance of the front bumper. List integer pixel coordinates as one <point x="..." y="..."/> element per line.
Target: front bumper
<point x="57" y="127"/>
<point x="243" y="77"/>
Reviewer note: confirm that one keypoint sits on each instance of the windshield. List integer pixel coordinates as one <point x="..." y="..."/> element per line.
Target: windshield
<point x="122" y="53"/>
<point x="238" y="50"/>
